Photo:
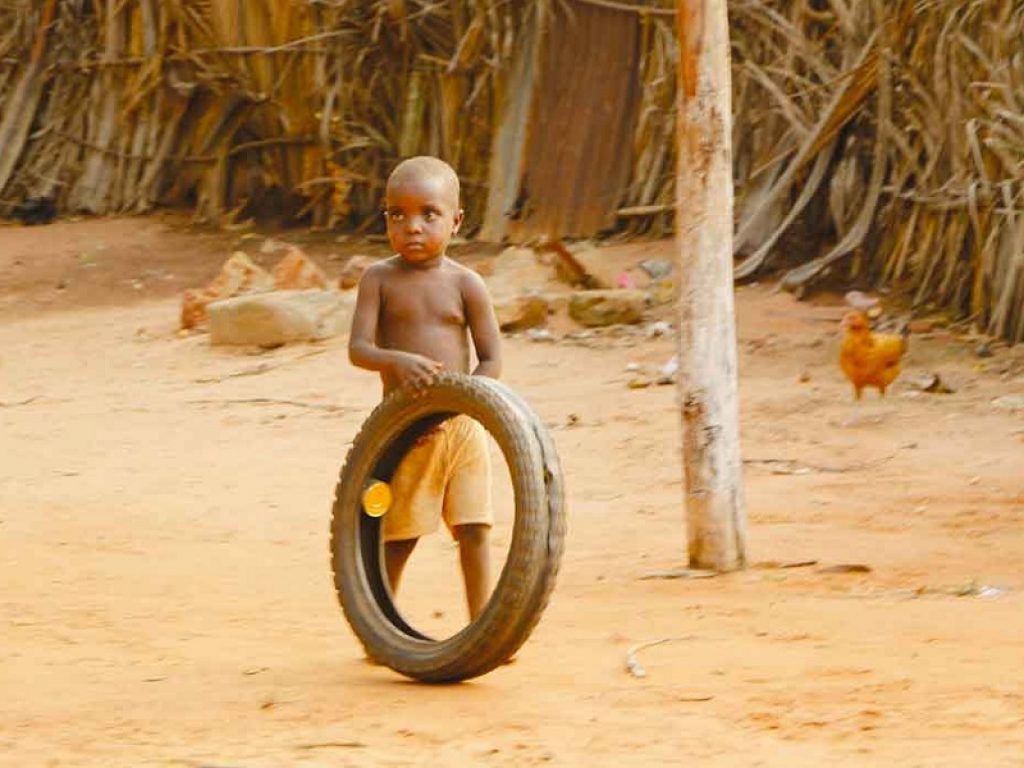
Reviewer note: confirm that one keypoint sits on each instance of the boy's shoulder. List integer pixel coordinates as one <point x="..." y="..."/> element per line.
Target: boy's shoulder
<point x="459" y="271"/>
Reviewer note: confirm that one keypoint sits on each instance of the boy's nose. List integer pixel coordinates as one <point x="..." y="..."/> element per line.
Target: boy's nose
<point x="414" y="225"/>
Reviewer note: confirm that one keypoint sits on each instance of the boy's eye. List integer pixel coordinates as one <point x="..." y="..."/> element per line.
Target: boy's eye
<point x="430" y="216"/>
<point x="395" y="215"/>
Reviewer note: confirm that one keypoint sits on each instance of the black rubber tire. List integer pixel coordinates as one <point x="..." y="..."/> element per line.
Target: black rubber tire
<point x="535" y="553"/>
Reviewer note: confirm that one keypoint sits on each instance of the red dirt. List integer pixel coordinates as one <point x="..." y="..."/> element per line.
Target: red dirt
<point x="167" y="597"/>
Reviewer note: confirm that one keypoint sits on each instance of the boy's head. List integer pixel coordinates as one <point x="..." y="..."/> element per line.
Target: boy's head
<point x="421" y="206"/>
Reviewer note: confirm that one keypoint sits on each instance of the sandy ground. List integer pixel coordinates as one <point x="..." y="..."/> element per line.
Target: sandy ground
<point x="167" y="598"/>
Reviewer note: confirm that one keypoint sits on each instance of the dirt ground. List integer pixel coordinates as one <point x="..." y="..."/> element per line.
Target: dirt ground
<point x="167" y="598"/>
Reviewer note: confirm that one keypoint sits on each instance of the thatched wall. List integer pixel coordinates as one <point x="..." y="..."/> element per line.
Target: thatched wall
<point x="876" y="139"/>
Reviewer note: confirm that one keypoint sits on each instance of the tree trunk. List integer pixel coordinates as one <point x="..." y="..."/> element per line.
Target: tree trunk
<point x="716" y="519"/>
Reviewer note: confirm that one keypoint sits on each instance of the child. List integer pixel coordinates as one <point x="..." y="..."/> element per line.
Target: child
<point x="411" y="321"/>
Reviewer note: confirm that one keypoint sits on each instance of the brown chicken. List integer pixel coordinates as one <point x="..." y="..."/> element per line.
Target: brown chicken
<point x="870" y="359"/>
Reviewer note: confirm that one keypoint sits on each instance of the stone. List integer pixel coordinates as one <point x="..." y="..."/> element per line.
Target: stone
<point x="353" y="271"/>
<point x="280" y="317"/>
<point x="557" y="302"/>
<point x="669" y="371"/>
<point x="602" y="308"/>
<point x="542" y="335"/>
<point x="519" y="313"/>
<point x="1009" y="403"/>
<point x="516" y="270"/>
<point x="656" y="269"/>
<point x="297" y="272"/>
<point x="239" y="275"/>
<point x="663" y="291"/>
<point x="658" y="329"/>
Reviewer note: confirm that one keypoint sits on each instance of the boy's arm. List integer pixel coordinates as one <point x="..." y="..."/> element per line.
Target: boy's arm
<point x="406" y="368"/>
<point x="483" y="327"/>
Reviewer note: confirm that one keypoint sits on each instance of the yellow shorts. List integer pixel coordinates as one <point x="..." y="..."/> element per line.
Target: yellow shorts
<point x="445" y="475"/>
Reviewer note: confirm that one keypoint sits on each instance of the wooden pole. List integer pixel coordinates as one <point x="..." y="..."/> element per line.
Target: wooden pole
<point x="716" y="519"/>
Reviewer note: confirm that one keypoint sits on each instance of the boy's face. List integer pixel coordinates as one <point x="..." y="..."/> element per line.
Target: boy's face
<point x="423" y="215"/>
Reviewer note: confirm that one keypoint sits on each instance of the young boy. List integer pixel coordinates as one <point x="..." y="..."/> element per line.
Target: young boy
<point x="411" y="320"/>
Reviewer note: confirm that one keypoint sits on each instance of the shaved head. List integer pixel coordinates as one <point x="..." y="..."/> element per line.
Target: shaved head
<point x="417" y="170"/>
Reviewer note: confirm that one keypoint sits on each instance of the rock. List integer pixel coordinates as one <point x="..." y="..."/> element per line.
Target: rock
<point x="516" y="270"/>
<point x="805" y="376"/>
<point x="930" y="382"/>
<point x="270" y="245"/>
<point x="668" y="372"/>
<point x="658" y="329"/>
<point x="297" y="272"/>
<point x="352" y="272"/>
<point x="656" y="269"/>
<point x="521" y="312"/>
<point x="984" y="349"/>
<point x="239" y="275"/>
<point x="540" y="335"/>
<point x="601" y="308"/>
<point x="633" y="367"/>
<point x="280" y="317"/>
<point x="557" y="302"/>
<point x="639" y="382"/>
<point x="663" y="291"/>
<point x="1009" y="403"/>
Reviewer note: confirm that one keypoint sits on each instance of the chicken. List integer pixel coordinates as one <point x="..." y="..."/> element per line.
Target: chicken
<point x="870" y="359"/>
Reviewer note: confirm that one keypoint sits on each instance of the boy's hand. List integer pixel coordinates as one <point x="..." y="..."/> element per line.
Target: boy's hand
<point x="415" y="371"/>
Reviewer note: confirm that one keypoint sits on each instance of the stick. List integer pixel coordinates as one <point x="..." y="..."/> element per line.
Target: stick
<point x="271" y="401"/>
<point x="15" y="404"/>
<point x="633" y="665"/>
<point x="797" y="469"/>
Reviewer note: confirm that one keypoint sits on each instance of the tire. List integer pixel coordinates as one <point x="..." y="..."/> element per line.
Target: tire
<point x="538" y="533"/>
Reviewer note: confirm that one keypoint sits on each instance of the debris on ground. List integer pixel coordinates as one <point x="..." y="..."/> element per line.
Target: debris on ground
<point x="633" y="665"/>
<point x="1009" y="403"/>
<point x="668" y="372"/>
<point x="658" y="329"/>
<point x="971" y="589"/>
<point x="656" y="269"/>
<point x="662" y="291"/>
<point x="845" y="568"/>
<point x="929" y="382"/>
<point x="542" y="335"/>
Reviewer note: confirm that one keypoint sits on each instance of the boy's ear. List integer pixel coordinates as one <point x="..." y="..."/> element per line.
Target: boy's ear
<point x="458" y="220"/>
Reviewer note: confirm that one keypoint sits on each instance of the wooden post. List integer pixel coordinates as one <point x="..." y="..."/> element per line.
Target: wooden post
<point x="715" y="514"/>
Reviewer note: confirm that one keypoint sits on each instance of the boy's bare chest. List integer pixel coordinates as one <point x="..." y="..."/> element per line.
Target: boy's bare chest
<point x="422" y="302"/>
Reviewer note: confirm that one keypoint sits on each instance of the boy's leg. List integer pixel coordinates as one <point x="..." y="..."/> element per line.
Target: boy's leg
<point x="396" y="555"/>
<point x="475" y="557"/>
